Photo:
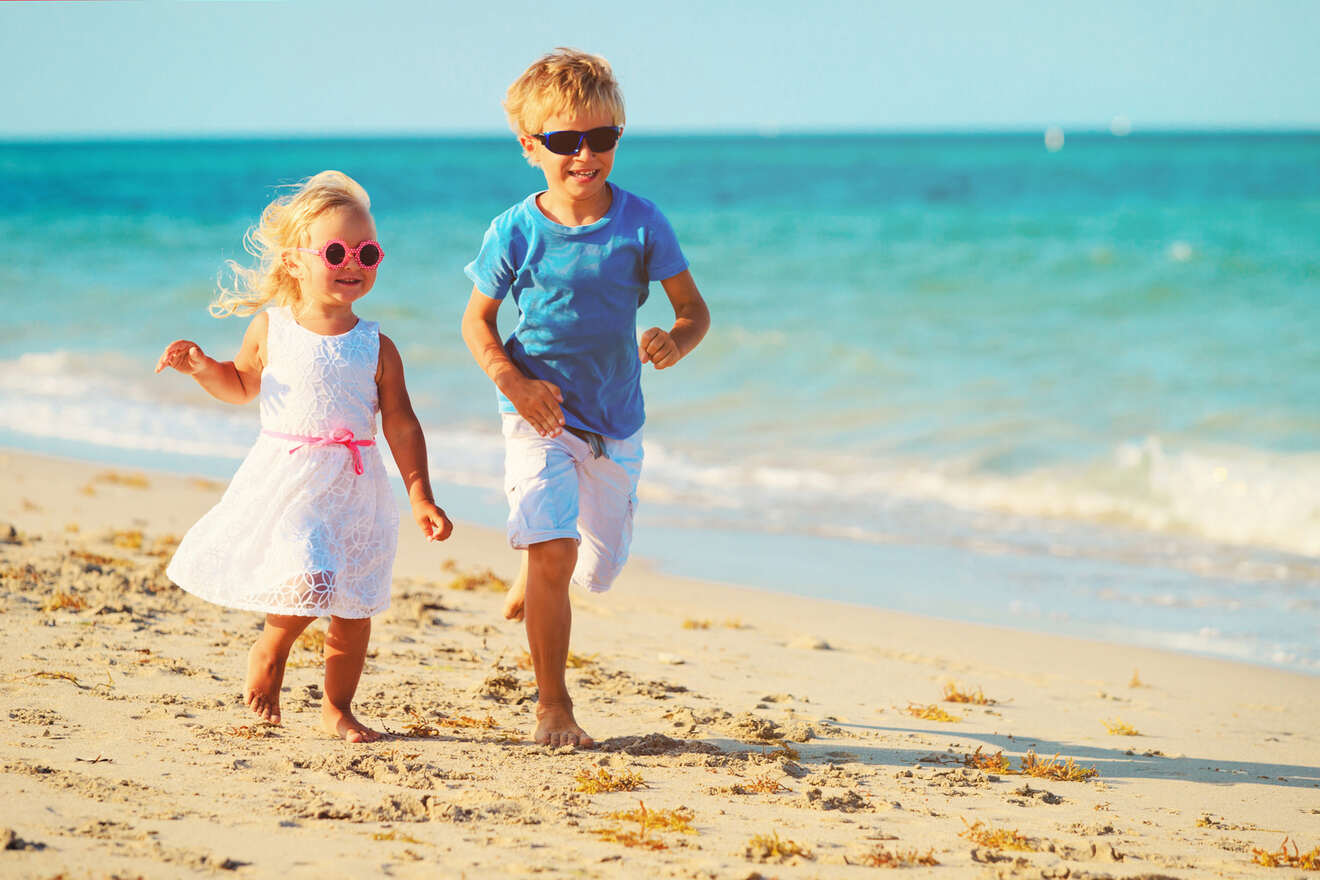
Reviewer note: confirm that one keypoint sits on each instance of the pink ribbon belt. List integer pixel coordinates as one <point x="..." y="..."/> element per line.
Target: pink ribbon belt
<point x="340" y="437"/>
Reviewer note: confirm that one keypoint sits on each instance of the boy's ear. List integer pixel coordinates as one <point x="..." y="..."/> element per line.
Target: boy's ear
<point x="528" y="144"/>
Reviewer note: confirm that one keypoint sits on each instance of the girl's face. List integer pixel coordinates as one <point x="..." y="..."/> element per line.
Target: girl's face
<point x="330" y="287"/>
<point x="578" y="179"/>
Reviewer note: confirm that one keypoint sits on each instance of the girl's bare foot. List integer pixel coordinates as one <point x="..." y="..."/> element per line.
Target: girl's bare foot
<point x="265" y="677"/>
<point x="341" y="723"/>
<point x="556" y="726"/>
<point x="266" y="661"/>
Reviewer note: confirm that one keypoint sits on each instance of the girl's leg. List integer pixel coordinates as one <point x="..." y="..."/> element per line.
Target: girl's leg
<point x="345" y="654"/>
<point x="266" y="662"/>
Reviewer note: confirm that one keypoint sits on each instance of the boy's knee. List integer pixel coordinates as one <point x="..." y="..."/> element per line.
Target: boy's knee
<point x="555" y="558"/>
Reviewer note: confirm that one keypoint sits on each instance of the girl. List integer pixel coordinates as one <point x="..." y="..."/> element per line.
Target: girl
<point x="308" y="526"/>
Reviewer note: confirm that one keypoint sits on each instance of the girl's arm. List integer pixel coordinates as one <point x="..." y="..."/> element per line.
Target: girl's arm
<point x="691" y="321"/>
<point x="404" y="434"/>
<point x="236" y="381"/>
<point x="536" y="400"/>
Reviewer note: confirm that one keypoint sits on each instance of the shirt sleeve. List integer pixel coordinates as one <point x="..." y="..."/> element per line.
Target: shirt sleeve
<point x="492" y="270"/>
<point x="664" y="258"/>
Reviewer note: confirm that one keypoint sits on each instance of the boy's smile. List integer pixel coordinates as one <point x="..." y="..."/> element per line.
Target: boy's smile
<point x="576" y="189"/>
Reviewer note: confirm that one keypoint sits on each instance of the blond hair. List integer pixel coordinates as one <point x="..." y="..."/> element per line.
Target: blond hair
<point x="562" y="81"/>
<point x="283" y="225"/>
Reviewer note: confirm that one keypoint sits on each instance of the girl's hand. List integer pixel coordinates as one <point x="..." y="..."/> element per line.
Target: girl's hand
<point x="185" y="356"/>
<point x="659" y="348"/>
<point x="435" y="525"/>
<point x="538" y="401"/>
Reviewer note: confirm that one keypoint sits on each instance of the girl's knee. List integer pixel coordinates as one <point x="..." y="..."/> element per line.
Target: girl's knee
<point x="287" y="622"/>
<point x="346" y="632"/>
<point x="282" y="630"/>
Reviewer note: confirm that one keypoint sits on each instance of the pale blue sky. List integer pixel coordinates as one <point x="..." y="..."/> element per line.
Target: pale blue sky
<point x="686" y="65"/>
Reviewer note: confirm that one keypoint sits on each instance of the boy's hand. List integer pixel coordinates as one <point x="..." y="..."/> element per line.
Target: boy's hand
<point x="185" y="356"/>
<point x="659" y="348"/>
<point x="538" y="401"/>
<point x="435" y="525"/>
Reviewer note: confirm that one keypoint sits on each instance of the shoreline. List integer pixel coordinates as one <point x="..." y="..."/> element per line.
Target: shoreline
<point x="857" y="574"/>
<point x="759" y="715"/>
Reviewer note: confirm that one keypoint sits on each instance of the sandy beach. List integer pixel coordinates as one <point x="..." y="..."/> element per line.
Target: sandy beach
<point x="741" y="733"/>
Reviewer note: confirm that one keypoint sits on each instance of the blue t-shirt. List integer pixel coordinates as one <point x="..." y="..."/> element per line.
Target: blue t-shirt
<point x="578" y="289"/>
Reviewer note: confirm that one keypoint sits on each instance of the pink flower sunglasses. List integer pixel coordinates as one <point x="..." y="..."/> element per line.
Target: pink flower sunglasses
<point x="369" y="254"/>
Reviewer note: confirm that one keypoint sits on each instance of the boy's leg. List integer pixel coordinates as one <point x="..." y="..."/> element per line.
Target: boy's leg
<point x="345" y="654"/>
<point x="266" y="660"/>
<point x="549" y="617"/>
<point x="513" y="599"/>
<point x="541" y="480"/>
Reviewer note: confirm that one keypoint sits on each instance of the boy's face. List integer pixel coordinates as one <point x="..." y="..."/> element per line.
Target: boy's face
<point x="580" y="177"/>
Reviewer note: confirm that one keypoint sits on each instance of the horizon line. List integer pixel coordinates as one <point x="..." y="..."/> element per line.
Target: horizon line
<point x="765" y="132"/>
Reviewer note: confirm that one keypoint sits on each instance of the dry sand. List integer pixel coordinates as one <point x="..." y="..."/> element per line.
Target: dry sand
<point x="753" y="725"/>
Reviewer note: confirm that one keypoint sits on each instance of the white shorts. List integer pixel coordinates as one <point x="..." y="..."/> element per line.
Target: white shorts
<point x="556" y="489"/>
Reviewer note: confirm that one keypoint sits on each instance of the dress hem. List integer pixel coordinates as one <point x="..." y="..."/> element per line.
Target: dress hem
<point x="266" y="608"/>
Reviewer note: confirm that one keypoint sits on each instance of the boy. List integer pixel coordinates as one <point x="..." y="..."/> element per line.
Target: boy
<point x="577" y="258"/>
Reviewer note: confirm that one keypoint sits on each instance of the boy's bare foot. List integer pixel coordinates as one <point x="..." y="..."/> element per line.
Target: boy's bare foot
<point x="556" y="726"/>
<point x="513" y="600"/>
<point x="265" y="677"/>
<point x="341" y="723"/>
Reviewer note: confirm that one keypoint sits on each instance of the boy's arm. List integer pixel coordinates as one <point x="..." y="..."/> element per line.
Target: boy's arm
<point x="691" y="321"/>
<point x="236" y="381"/>
<point x="536" y="400"/>
<point x="404" y="434"/>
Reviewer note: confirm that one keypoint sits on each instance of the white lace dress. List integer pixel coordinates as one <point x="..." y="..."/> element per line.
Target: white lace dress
<point x="302" y="532"/>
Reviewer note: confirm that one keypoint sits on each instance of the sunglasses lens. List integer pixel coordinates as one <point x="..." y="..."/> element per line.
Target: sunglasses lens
<point x="336" y="254"/>
<point x="369" y="255"/>
<point x="564" y="143"/>
<point x="602" y="140"/>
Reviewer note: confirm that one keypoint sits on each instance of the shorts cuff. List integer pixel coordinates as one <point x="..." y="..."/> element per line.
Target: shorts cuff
<point x="526" y="539"/>
<point x="592" y="587"/>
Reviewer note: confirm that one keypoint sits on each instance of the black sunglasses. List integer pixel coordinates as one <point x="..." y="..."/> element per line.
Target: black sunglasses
<point x="567" y="143"/>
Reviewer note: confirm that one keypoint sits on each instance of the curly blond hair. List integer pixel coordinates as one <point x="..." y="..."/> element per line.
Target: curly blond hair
<point x="283" y="225"/>
<point x="562" y="81"/>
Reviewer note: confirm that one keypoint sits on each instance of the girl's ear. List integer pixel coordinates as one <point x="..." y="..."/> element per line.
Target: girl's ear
<point x="291" y="264"/>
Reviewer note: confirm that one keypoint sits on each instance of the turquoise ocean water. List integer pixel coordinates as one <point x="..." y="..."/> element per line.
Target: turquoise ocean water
<point x="953" y="374"/>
